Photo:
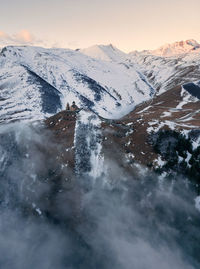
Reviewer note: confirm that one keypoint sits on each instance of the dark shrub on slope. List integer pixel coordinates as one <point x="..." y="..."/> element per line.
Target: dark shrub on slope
<point x="177" y="151"/>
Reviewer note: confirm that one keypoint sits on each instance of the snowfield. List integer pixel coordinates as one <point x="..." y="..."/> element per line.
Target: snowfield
<point x="37" y="82"/>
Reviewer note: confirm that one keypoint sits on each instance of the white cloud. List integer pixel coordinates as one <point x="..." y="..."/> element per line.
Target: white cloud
<point x="24" y="37"/>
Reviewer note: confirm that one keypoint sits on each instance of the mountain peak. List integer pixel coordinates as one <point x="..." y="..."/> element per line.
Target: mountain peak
<point x="176" y="48"/>
<point x="104" y="52"/>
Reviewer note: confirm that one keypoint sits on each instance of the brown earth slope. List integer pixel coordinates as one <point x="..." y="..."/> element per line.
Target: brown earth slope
<point x="62" y="126"/>
<point x="128" y="138"/>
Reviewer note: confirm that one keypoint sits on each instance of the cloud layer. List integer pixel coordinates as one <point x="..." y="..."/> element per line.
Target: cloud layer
<point x="23" y="37"/>
<point x="49" y="222"/>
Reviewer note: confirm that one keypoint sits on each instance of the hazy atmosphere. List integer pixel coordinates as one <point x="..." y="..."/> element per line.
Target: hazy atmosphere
<point x="99" y="134"/>
<point x="128" y="24"/>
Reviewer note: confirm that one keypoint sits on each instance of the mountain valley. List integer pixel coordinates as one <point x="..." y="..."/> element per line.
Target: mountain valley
<point x="120" y="172"/>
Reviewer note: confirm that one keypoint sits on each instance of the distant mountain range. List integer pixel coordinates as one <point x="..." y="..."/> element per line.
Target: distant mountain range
<point x="110" y="52"/>
<point x="177" y="48"/>
<point x="37" y="82"/>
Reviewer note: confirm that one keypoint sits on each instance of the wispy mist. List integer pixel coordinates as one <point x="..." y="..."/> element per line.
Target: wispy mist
<point x="49" y="221"/>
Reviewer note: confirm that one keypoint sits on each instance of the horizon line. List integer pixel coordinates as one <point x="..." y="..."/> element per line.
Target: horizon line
<point x="93" y="45"/>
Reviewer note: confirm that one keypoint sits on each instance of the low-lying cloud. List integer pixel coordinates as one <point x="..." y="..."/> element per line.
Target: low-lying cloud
<point x="25" y="37"/>
<point x="47" y="222"/>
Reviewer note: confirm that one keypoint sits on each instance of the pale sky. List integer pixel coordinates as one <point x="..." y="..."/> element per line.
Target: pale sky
<point x="127" y="24"/>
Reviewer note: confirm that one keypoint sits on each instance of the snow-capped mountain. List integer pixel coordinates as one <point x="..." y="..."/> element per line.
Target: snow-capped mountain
<point x="177" y="48"/>
<point x="35" y="82"/>
<point x="165" y="73"/>
<point x="165" y="68"/>
<point x="105" y="53"/>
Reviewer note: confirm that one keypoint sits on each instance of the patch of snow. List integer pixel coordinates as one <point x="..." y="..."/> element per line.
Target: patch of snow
<point x="197" y="203"/>
<point x="128" y="143"/>
<point x="129" y="132"/>
<point x="130" y="156"/>
<point x="166" y="114"/>
<point x="159" y="162"/>
<point x="187" y="97"/>
<point x="143" y="110"/>
<point x="38" y="211"/>
<point x="196" y="144"/>
<point x="189" y="155"/>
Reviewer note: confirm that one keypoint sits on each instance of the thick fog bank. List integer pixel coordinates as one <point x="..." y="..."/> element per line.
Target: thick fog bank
<point x="49" y="220"/>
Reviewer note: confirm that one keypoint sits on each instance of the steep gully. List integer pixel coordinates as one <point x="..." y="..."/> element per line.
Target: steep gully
<point x="87" y="142"/>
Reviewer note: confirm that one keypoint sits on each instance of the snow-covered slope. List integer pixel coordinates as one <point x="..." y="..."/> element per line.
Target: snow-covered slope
<point x="165" y="73"/>
<point x="105" y="53"/>
<point x="36" y="82"/>
<point x="177" y="48"/>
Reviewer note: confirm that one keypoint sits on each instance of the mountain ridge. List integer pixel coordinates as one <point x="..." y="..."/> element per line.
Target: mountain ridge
<point x="103" y="86"/>
<point x="101" y="82"/>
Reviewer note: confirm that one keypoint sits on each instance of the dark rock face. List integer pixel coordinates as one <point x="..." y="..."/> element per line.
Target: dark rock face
<point x="50" y="96"/>
<point x="194" y="134"/>
<point x="193" y="89"/>
<point x="96" y="88"/>
<point x="86" y="102"/>
<point x="93" y="85"/>
<point x="143" y="78"/>
<point x="10" y="152"/>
